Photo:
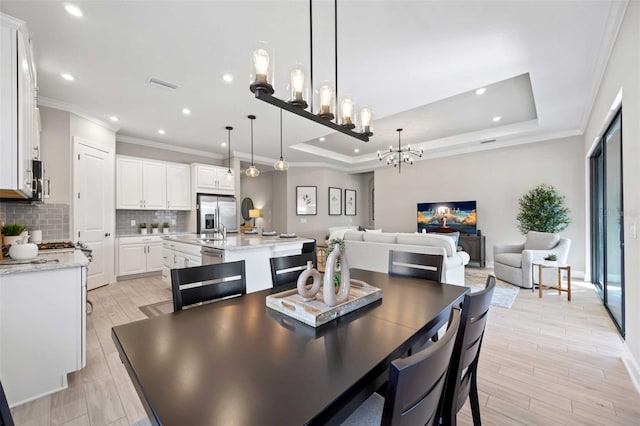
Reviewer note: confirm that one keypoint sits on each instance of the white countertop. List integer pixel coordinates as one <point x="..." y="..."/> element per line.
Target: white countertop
<point x="56" y="260"/>
<point x="236" y="242"/>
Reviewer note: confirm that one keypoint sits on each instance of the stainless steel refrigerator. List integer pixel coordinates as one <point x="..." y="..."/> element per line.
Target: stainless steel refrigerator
<point x="216" y="210"/>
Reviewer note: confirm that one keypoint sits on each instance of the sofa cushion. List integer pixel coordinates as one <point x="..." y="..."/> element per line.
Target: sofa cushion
<point x="353" y="235"/>
<point x="376" y="237"/>
<point x="433" y="240"/>
<point x="541" y="240"/>
<point x="509" y="259"/>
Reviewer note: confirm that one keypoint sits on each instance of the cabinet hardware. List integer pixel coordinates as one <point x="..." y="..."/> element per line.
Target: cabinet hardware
<point x="108" y="234"/>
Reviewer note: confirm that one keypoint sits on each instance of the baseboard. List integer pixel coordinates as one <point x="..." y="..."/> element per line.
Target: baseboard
<point x="134" y="276"/>
<point x="632" y="367"/>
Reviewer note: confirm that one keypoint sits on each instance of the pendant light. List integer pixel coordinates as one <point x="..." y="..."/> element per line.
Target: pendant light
<point x="252" y="171"/>
<point x="281" y="165"/>
<point x="229" y="174"/>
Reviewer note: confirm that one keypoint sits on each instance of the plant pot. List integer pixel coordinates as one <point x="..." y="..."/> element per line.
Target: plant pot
<point x="551" y="262"/>
<point x="154" y="230"/>
<point x="165" y="230"/>
<point x="11" y="239"/>
<point x="143" y="231"/>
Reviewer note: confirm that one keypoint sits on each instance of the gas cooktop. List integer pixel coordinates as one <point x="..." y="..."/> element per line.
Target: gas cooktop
<point x="56" y="245"/>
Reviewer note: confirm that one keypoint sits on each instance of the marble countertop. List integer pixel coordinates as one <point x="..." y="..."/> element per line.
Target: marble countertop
<point x="236" y="242"/>
<point x="46" y="261"/>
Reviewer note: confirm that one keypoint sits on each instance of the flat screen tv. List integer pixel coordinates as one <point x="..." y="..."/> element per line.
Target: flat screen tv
<point x="447" y="217"/>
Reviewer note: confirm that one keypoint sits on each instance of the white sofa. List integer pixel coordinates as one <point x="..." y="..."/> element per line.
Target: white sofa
<point x="370" y="251"/>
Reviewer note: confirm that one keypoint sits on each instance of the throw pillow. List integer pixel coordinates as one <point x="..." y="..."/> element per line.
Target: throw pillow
<point x="455" y="236"/>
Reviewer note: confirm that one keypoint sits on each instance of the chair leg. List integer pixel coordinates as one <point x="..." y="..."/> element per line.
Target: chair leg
<point x="434" y="338"/>
<point x="474" y="401"/>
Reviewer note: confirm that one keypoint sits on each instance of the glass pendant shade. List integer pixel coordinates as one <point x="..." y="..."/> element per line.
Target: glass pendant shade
<point x="365" y="120"/>
<point x="297" y="88"/>
<point x="347" y="111"/>
<point x="262" y="71"/>
<point x="325" y="101"/>
<point x="281" y="165"/>
<point x="252" y="171"/>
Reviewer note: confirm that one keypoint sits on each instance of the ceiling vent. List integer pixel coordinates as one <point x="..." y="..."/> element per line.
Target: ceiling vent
<point x="489" y="141"/>
<point x="162" y="83"/>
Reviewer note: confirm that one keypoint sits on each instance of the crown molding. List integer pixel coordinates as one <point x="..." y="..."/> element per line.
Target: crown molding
<point x="167" y="147"/>
<point x="612" y="28"/>
<point x="74" y="109"/>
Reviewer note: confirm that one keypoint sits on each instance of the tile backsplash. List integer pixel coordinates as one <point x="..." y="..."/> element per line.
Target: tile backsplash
<point x="178" y="220"/>
<point x="52" y="219"/>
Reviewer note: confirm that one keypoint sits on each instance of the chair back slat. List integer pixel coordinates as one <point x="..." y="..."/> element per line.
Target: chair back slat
<point x="206" y="283"/>
<point x="464" y="360"/>
<point x="415" y="265"/>
<point x="5" y="412"/>
<point x="416" y="382"/>
<point x="285" y="270"/>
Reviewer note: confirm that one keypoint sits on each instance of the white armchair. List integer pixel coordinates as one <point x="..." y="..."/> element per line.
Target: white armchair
<point x="513" y="262"/>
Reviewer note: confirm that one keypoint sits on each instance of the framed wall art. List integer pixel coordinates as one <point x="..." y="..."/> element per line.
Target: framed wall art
<point x="335" y="201"/>
<point x="350" y="202"/>
<point x="306" y="200"/>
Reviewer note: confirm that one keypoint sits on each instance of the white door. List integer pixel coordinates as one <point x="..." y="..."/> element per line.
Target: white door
<point x="154" y="185"/>
<point x="94" y="208"/>
<point x="154" y="257"/>
<point x="178" y="187"/>
<point x="129" y="183"/>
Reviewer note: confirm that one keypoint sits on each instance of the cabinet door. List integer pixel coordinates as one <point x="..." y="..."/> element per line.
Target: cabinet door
<point x="25" y="117"/>
<point x="154" y="185"/>
<point x="178" y="187"/>
<point x="154" y="257"/>
<point x="224" y="183"/>
<point x="128" y="183"/>
<point x="206" y="178"/>
<point x="132" y="259"/>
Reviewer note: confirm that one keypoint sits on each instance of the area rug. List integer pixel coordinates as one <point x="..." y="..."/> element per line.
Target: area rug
<point x="157" y="309"/>
<point x="503" y="295"/>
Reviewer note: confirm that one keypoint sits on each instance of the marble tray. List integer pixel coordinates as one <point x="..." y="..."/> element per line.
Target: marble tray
<point x="315" y="312"/>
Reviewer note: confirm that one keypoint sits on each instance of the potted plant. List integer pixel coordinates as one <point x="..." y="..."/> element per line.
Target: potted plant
<point x="12" y="233"/>
<point x="143" y="228"/>
<point x="330" y="247"/>
<point x="154" y="228"/>
<point x="542" y="209"/>
<point x="165" y="228"/>
<point x="551" y="259"/>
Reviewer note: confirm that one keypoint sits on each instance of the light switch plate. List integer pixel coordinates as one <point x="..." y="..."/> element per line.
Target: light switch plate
<point x="133" y="223"/>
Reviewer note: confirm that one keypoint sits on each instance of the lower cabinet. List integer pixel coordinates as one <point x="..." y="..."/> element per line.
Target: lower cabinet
<point x="138" y="255"/>
<point x="177" y="255"/>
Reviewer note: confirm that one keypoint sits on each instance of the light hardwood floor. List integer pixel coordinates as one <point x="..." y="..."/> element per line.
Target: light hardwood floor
<point x="543" y="362"/>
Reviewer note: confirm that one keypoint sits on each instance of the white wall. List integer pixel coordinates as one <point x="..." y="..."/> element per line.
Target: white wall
<point x="280" y="203"/>
<point x="623" y="73"/>
<point x="496" y="179"/>
<point x="56" y="153"/>
<point x="260" y="190"/>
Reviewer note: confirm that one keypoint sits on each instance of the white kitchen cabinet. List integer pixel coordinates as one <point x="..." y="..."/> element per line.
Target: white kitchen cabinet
<point x="154" y="185"/>
<point x="208" y="179"/>
<point x="139" y="255"/>
<point x="178" y="255"/>
<point x="19" y="128"/>
<point x="128" y="183"/>
<point x="178" y="187"/>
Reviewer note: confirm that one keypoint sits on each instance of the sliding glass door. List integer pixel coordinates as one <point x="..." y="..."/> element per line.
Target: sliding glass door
<point x="607" y="236"/>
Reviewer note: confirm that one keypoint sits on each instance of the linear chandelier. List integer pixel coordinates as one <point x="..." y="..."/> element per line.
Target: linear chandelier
<point x="399" y="156"/>
<point x="344" y="122"/>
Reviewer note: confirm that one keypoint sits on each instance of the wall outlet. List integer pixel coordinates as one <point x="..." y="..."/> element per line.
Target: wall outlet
<point x="133" y="223"/>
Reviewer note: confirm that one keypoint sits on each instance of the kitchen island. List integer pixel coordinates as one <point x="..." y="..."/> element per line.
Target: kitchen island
<point x="182" y="251"/>
<point x="42" y="323"/>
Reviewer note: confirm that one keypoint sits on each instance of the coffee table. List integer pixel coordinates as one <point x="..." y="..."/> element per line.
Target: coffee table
<point x="546" y="265"/>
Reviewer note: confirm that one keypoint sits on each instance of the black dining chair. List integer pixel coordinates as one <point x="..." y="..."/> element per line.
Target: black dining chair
<point x="415" y="386"/>
<point x="5" y="412"/>
<point x="415" y="265"/>
<point x="311" y="248"/>
<point x="218" y="281"/>
<point x="462" y="378"/>
<point x="285" y="270"/>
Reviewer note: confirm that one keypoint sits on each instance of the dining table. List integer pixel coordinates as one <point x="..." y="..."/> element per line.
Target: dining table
<point x="238" y="362"/>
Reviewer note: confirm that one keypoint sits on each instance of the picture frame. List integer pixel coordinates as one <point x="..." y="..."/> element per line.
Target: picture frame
<point x="306" y="200"/>
<point x="350" y="202"/>
<point x="335" y="201"/>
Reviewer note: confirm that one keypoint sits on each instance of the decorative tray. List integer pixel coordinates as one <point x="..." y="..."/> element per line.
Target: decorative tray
<point x="315" y="312"/>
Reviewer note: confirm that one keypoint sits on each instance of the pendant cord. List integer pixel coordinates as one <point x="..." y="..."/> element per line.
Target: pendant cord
<point x="281" y="134"/>
<point x="335" y="35"/>
<point x="251" y="142"/>
<point x="311" y="54"/>
<point x="229" y="150"/>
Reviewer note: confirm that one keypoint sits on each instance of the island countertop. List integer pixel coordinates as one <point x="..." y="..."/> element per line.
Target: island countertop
<point x="46" y="261"/>
<point x="235" y="242"/>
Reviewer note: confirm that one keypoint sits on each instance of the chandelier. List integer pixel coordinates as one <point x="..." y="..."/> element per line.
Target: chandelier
<point x="399" y="156"/>
<point x="327" y="98"/>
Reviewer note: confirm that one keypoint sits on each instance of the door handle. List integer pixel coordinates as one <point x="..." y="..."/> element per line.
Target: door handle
<point x="108" y="234"/>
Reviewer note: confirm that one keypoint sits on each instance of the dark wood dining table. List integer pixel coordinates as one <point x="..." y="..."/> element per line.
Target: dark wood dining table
<point x="237" y="362"/>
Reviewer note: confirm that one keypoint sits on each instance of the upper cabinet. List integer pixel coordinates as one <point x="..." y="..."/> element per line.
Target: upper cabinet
<point x="211" y="180"/>
<point x="19" y="118"/>
<point x="143" y="184"/>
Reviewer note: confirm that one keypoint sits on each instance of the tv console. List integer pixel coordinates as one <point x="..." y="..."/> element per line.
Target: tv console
<point x="475" y="246"/>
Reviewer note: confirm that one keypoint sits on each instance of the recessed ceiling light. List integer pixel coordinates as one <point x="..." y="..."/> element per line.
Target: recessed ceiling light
<point x="114" y="119"/>
<point x="322" y="139"/>
<point x="160" y="131"/>
<point x="481" y="91"/>
<point x="67" y="76"/>
<point x="74" y="10"/>
<point x="228" y="78"/>
<point x="186" y="111"/>
<point x="496" y="119"/>
<point x="223" y="144"/>
<point x="356" y="150"/>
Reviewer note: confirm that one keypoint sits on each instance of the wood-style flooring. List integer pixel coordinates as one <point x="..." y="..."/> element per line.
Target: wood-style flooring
<point x="543" y="362"/>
